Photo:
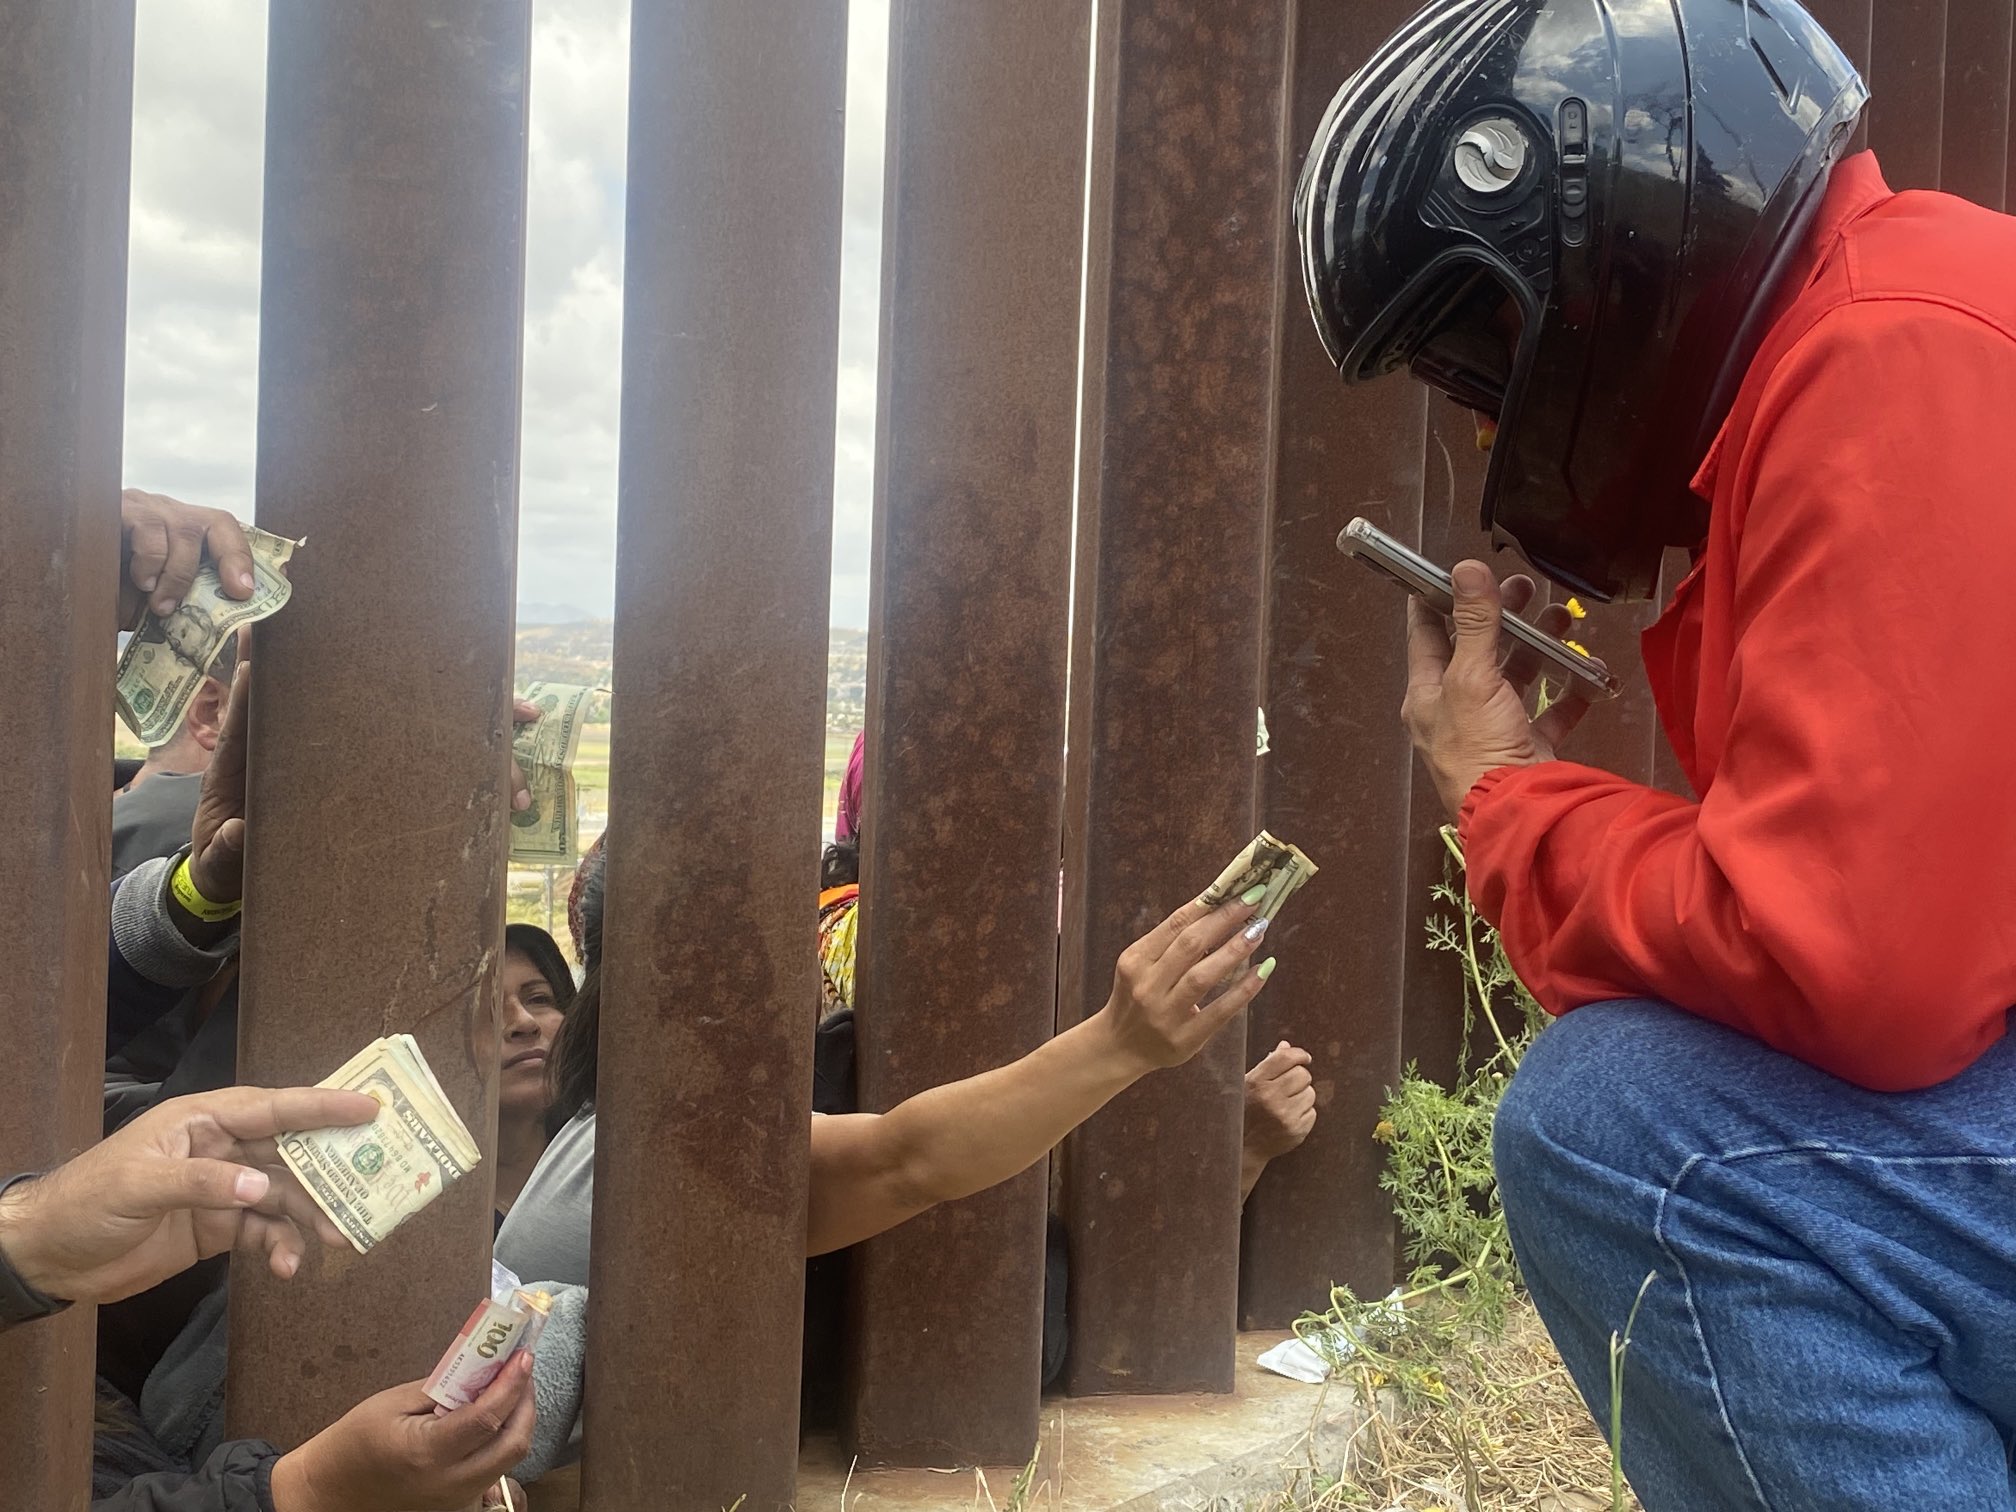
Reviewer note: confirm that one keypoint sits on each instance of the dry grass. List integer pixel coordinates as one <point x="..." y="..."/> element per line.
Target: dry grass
<point x="1510" y="1435"/>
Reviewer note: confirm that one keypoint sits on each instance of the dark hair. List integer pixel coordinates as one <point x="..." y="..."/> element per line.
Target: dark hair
<point x="841" y="865"/>
<point x="539" y="947"/>
<point x="571" y="1073"/>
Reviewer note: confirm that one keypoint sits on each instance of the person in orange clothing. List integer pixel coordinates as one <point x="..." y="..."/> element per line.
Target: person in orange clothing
<point x="1780" y="1086"/>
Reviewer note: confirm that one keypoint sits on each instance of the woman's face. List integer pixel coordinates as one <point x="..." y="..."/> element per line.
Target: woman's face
<point x="531" y="1019"/>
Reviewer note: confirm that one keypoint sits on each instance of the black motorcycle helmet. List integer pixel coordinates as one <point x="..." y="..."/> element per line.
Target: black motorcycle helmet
<point x="1572" y="215"/>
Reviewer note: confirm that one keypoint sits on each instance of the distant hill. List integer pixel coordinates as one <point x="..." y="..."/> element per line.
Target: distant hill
<point x="552" y="614"/>
<point x="580" y="652"/>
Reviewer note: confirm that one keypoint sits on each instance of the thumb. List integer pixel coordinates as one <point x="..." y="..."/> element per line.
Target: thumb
<point x="1476" y="618"/>
<point x="220" y="870"/>
<point x="205" y="1185"/>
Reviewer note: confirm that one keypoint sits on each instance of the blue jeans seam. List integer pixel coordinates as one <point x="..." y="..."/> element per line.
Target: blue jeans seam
<point x="1731" y="1157"/>
<point x="1700" y="1334"/>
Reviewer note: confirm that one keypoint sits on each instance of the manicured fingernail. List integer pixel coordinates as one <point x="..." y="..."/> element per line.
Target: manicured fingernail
<point x="290" y="1263"/>
<point x="243" y="580"/>
<point x="148" y="586"/>
<point x="1253" y="894"/>
<point x="167" y="607"/>
<point x="1257" y="928"/>
<point x="521" y="800"/>
<point x="250" y="1185"/>
<point x="1472" y="577"/>
<point x="1266" y="969"/>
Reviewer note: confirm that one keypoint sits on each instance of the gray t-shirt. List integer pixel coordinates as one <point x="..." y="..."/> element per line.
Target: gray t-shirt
<point x="545" y="1235"/>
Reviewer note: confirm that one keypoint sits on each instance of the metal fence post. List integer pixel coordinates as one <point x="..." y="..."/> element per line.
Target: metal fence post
<point x="730" y="367"/>
<point x="1337" y="777"/>
<point x="388" y="437"/>
<point x="66" y="92"/>
<point x="958" y="944"/>
<point x="1169" y="624"/>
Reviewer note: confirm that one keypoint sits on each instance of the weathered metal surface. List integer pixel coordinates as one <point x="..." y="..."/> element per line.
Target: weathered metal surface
<point x="967" y="658"/>
<point x="1974" y="138"/>
<point x="388" y="437"/>
<point x="1907" y="83"/>
<point x="66" y="94"/>
<point x="730" y="350"/>
<point x="1185" y="236"/>
<point x="1337" y="777"/>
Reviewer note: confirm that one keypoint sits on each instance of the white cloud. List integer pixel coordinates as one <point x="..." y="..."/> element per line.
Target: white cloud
<point x="193" y="303"/>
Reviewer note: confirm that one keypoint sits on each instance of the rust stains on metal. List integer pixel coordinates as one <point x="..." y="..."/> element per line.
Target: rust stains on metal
<point x="1187" y="215"/>
<point x="958" y="945"/>
<point x="1337" y="777"/>
<point x="376" y="816"/>
<point x="730" y="351"/>
<point x="66" y="80"/>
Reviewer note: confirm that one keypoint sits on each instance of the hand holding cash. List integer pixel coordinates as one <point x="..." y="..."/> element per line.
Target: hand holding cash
<point x="1278" y="868"/>
<point x="1183" y="981"/>
<point x="372" y="1178"/>
<point x="168" y="657"/>
<point x="545" y="829"/>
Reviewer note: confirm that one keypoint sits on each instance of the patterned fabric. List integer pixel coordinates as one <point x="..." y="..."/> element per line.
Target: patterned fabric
<point x="848" y="824"/>
<point x="837" y="913"/>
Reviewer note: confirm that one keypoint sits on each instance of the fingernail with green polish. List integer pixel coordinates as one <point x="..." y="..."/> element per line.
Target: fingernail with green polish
<point x="1253" y="894"/>
<point x="1266" y="969"/>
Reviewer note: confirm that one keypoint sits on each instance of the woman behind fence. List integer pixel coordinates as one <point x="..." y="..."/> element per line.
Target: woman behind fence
<point x="871" y="1172"/>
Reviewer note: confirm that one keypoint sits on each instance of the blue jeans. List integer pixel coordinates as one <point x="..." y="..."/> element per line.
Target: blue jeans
<point x="1833" y="1326"/>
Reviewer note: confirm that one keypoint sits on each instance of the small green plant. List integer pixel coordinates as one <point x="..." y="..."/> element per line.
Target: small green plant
<point x="1438" y="1171"/>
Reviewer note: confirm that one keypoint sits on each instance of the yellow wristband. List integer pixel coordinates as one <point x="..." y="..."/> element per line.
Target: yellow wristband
<point x="183" y="886"/>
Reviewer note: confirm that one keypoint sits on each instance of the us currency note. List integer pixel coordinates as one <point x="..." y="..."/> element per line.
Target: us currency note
<point x="1267" y="862"/>
<point x="548" y="833"/>
<point x="166" y="660"/>
<point x="372" y="1178"/>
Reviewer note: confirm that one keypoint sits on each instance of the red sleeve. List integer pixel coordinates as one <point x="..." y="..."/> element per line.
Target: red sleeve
<point x="1843" y="890"/>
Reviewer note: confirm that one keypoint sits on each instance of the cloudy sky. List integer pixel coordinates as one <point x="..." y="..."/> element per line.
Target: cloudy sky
<point x="193" y="317"/>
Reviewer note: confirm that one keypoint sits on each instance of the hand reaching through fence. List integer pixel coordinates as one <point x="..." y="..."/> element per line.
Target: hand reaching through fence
<point x="1172" y="990"/>
<point x="1280" y="1111"/>
<point x="162" y="542"/>
<point x="189" y="1179"/>
<point x="395" y="1452"/>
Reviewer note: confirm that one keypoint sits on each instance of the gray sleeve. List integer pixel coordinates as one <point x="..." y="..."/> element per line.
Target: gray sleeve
<point x="557" y="1368"/>
<point x="146" y="937"/>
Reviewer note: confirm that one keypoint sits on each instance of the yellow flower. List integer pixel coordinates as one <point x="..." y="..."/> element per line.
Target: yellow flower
<point x="1577" y="647"/>
<point x="1385" y="1132"/>
<point x="1575" y="609"/>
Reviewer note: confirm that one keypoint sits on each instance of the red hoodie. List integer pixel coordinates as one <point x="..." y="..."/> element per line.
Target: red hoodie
<point x="1838" y="679"/>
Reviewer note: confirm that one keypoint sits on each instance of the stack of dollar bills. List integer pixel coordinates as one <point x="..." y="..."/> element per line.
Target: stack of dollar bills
<point x="372" y="1178"/>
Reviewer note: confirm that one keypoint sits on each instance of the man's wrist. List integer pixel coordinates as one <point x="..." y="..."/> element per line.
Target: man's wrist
<point x="293" y="1487"/>
<point x="194" y="918"/>
<point x="30" y="1285"/>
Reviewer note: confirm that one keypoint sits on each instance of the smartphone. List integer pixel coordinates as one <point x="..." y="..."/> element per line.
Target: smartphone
<point x="1414" y="572"/>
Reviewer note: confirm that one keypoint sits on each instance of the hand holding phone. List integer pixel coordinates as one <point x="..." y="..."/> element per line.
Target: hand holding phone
<point x="1421" y="577"/>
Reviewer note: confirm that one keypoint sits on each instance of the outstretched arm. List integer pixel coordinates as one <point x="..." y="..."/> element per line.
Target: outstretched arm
<point x="871" y="1172"/>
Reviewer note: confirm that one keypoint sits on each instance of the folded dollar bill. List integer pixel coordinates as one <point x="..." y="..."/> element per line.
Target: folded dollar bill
<point x="548" y="833"/>
<point x="166" y="660"/>
<point x="1274" y="864"/>
<point x="372" y="1178"/>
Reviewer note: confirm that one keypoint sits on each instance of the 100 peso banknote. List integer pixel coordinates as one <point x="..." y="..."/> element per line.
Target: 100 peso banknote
<point x="372" y="1178"/>
<point x="167" y="659"/>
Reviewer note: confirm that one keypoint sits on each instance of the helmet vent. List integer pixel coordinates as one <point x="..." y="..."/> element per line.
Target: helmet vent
<point x="1490" y="155"/>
